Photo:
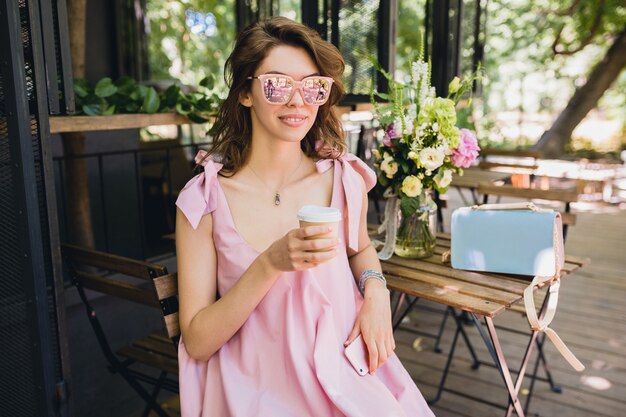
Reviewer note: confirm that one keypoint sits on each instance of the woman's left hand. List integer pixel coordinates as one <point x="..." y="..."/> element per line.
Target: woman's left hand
<point x="374" y="324"/>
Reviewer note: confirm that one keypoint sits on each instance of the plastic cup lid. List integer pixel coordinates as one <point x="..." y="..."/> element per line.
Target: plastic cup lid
<point x="319" y="214"/>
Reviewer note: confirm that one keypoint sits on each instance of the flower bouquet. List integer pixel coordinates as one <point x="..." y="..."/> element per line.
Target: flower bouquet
<point x="421" y="148"/>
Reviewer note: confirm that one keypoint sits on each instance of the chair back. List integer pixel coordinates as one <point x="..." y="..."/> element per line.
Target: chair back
<point x="166" y="287"/>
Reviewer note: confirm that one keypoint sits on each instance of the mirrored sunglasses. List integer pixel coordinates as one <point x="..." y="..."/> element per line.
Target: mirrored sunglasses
<point x="279" y="89"/>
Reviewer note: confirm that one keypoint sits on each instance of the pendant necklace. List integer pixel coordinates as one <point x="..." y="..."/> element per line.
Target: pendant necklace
<point x="277" y="192"/>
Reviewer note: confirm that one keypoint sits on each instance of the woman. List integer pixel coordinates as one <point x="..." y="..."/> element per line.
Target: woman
<point x="273" y="343"/>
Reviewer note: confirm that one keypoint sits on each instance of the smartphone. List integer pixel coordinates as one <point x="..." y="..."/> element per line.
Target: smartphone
<point x="357" y="355"/>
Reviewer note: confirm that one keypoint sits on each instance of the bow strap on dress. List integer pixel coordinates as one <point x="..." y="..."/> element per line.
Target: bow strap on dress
<point x="198" y="197"/>
<point x="352" y="170"/>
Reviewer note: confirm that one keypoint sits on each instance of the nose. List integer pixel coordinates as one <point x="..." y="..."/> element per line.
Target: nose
<point x="297" y="97"/>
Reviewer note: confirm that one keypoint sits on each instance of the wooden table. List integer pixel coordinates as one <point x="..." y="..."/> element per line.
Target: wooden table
<point x="473" y="178"/>
<point x="590" y="180"/>
<point x="482" y="295"/>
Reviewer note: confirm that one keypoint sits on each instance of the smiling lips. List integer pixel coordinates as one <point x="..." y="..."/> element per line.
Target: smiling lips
<point x="293" y="120"/>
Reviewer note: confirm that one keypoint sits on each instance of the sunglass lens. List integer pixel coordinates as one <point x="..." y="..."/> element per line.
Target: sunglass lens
<point x="277" y="89"/>
<point x="316" y="90"/>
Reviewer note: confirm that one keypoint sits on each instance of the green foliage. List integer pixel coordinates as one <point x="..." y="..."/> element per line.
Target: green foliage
<point x="411" y="14"/>
<point x="125" y="95"/>
<point x="178" y="50"/>
<point x="409" y="205"/>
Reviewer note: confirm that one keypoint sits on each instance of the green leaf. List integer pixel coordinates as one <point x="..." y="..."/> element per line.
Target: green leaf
<point x="197" y="118"/>
<point x="92" y="109"/>
<point x="151" y="101"/>
<point x="409" y="205"/>
<point x="125" y="81"/>
<point x="171" y="95"/>
<point x="131" y="107"/>
<point x="105" y="88"/>
<point x="109" y="110"/>
<point x="135" y="94"/>
<point x="208" y="82"/>
<point x="142" y="90"/>
<point x="81" y="88"/>
<point x="183" y="108"/>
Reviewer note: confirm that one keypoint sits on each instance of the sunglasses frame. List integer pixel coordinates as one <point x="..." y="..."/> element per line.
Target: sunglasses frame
<point x="296" y="85"/>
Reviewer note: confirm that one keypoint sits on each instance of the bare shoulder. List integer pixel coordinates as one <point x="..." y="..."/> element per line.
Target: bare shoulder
<point x="184" y="229"/>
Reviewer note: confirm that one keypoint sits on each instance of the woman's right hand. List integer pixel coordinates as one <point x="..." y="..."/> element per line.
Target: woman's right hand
<point x="293" y="253"/>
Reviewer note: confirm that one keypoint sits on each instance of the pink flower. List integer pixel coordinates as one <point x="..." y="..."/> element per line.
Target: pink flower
<point x="467" y="152"/>
<point x="390" y="133"/>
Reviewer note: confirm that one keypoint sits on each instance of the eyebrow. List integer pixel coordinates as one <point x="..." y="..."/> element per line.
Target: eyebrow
<point x="282" y="73"/>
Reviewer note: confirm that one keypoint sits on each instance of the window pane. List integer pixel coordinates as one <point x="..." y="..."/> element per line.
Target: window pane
<point x="358" y="34"/>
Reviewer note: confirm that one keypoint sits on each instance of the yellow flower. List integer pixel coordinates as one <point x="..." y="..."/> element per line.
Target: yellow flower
<point x="389" y="167"/>
<point x="411" y="186"/>
<point x="443" y="178"/>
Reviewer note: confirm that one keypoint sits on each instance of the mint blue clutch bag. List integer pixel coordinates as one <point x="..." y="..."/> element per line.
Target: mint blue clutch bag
<point x="515" y="239"/>
<point x="507" y="238"/>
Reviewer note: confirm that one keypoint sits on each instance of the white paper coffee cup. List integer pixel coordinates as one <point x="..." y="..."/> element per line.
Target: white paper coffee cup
<point x="320" y="216"/>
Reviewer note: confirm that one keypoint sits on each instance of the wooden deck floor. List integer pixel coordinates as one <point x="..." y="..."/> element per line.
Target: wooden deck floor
<point x="591" y="319"/>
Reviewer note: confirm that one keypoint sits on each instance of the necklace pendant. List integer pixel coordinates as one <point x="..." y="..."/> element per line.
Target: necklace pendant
<point x="277" y="199"/>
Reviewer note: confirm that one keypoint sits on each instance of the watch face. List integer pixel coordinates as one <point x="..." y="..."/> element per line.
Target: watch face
<point x="356" y="352"/>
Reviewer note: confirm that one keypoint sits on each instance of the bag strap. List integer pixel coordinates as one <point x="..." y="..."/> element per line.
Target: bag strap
<point x="540" y="324"/>
<point x="512" y="206"/>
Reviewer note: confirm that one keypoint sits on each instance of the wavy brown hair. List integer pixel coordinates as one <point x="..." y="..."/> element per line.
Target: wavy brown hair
<point x="233" y="130"/>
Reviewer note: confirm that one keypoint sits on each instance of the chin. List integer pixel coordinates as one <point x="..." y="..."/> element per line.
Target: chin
<point x="293" y="135"/>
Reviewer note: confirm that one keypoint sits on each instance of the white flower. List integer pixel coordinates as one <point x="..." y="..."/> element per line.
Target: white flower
<point x="432" y="158"/>
<point x="389" y="166"/>
<point x="413" y="155"/>
<point x="409" y="126"/>
<point x="411" y="186"/>
<point x="435" y="127"/>
<point x="443" y="178"/>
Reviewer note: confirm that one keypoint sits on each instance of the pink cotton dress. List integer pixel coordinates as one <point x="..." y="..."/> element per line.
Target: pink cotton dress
<point x="287" y="360"/>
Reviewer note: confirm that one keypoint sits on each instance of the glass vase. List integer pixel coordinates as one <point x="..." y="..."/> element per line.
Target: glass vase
<point x="416" y="233"/>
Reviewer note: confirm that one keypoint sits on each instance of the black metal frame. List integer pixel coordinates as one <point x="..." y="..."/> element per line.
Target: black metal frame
<point x="67" y="81"/>
<point x="37" y="237"/>
<point x="136" y="153"/>
<point x="445" y="56"/>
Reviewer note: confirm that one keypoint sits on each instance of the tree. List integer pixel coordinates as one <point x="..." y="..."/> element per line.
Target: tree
<point x="536" y="56"/>
<point x="605" y="16"/>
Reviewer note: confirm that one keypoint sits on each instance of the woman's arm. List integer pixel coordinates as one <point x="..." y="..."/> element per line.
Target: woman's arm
<point x="206" y="324"/>
<point x="374" y="318"/>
